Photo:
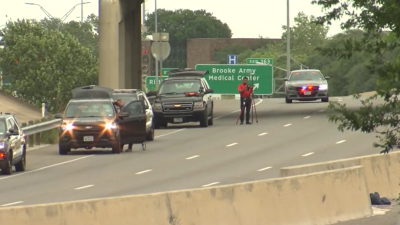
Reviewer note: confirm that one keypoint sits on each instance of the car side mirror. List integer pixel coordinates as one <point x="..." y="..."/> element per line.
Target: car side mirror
<point x="13" y="132"/>
<point x="151" y="93"/>
<point x="285" y="79"/>
<point x="327" y="78"/>
<point x="123" y="114"/>
<point x="209" y="91"/>
<point x="58" y="116"/>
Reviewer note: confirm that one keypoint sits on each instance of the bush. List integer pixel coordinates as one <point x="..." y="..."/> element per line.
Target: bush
<point x="49" y="137"/>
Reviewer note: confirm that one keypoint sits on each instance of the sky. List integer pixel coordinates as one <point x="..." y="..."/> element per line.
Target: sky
<point x="247" y="19"/>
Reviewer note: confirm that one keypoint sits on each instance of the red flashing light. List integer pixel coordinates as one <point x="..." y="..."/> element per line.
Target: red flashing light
<point x="2" y="155"/>
<point x="310" y="88"/>
<point x="191" y="94"/>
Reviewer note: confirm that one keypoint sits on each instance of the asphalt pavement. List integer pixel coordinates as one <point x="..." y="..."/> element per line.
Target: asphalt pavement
<point x="183" y="157"/>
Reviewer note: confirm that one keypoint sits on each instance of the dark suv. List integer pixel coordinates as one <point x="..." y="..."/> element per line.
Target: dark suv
<point x="91" y="120"/>
<point x="12" y="145"/>
<point x="183" y="97"/>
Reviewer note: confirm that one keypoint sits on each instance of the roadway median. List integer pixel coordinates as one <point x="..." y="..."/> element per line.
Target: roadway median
<point x="318" y="198"/>
<point x="382" y="171"/>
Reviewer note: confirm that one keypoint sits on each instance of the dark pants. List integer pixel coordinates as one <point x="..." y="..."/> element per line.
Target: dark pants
<point x="247" y="104"/>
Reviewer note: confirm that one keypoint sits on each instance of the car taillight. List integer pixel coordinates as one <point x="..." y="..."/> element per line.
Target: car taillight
<point x="191" y="94"/>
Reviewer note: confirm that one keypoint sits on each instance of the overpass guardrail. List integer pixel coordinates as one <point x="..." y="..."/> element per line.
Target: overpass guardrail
<point x="35" y="132"/>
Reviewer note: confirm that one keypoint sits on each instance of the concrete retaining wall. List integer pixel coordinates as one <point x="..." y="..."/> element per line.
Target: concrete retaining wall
<point x="382" y="171"/>
<point x="319" y="198"/>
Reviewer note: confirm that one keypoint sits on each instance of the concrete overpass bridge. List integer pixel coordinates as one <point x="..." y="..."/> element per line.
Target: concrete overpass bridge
<point x="120" y="45"/>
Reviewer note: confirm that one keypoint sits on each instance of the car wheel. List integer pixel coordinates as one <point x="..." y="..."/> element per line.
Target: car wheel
<point x="204" y="120"/>
<point x="7" y="170"/>
<point x="21" y="165"/>
<point x="211" y="120"/>
<point x="288" y="101"/>
<point x="63" y="150"/>
<point x="116" y="148"/>
<point x="325" y="99"/>
<point x="150" y="134"/>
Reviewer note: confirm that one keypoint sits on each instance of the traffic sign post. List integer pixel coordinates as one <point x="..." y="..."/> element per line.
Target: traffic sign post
<point x="268" y="61"/>
<point x="160" y="49"/>
<point x="232" y="59"/>
<point x="225" y="79"/>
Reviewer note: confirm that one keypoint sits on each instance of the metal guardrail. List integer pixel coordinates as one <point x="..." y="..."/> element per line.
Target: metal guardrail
<point x="40" y="127"/>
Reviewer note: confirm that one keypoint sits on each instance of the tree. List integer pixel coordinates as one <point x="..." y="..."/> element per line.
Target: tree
<point x="185" y="24"/>
<point x="373" y="17"/>
<point x="45" y="64"/>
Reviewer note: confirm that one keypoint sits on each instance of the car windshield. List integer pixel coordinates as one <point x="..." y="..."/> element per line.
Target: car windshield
<point x="179" y="87"/>
<point x="89" y="109"/>
<point x="125" y="98"/>
<point x="306" y="75"/>
<point x="2" y="127"/>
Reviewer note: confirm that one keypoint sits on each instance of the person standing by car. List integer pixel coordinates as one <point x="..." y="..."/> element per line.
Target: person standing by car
<point x="120" y="105"/>
<point x="246" y="92"/>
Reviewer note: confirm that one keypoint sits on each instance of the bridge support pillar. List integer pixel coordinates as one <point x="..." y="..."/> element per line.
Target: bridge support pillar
<point x="120" y="45"/>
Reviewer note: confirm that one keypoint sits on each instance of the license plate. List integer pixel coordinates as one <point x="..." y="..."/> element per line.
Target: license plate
<point x="307" y="93"/>
<point x="178" y="120"/>
<point x="88" y="138"/>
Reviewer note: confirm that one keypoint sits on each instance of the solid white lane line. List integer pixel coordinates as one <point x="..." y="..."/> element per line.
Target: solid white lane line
<point x="308" y="154"/>
<point x="208" y="185"/>
<point x="340" y="142"/>
<point x="230" y="145"/>
<point x="192" y="157"/>
<point x="12" y="203"/>
<point x="289" y="124"/>
<point x="173" y="132"/>
<point x="142" y="172"/>
<point x="46" y="167"/>
<point x="266" y="168"/>
<point x="262" y="134"/>
<point x="83" y="187"/>
<point x="307" y="117"/>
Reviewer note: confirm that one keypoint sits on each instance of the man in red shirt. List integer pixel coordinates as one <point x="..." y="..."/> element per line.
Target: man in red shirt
<point x="246" y="92"/>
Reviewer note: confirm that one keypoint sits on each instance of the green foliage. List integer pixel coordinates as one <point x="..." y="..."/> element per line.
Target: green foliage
<point x="378" y="113"/>
<point x="183" y="24"/>
<point x="49" y="137"/>
<point x="50" y="62"/>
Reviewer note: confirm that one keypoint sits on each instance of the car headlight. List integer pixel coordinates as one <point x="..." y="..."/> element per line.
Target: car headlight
<point x="111" y="126"/>
<point x="157" y="106"/>
<point x="323" y="87"/>
<point x="2" y="145"/>
<point x="198" y="105"/>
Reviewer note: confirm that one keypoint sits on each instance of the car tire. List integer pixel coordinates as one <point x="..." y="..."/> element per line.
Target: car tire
<point x="7" y="170"/>
<point x="21" y="165"/>
<point x="204" y="120"/>
<point x="288" y="101"/>
<point x="325" y="99"/>
<point x="63" y="150"/>
<point x="211" y="120"/>
<point x="116" y="148"/>
<point x="150" y="134"/>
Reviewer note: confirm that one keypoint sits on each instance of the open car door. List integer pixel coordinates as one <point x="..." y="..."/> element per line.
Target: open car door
<point x="133" y="127"/>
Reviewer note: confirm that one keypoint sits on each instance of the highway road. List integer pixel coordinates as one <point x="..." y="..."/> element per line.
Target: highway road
<point x="184" y="157"/>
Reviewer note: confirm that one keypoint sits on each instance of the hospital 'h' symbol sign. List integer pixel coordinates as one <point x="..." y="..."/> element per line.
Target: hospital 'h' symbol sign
<point x="232" y="59"/>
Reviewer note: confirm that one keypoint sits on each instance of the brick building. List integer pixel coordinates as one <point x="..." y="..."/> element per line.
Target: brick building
<point x="202" y="50"/>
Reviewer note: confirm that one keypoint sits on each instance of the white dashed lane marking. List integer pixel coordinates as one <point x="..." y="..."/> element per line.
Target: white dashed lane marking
<point x="142" y="172"/>
<point x="192" y="157"/>
<point x="289" y="124"/>
<point x="266" y="168"/>
<point x="83" y="187"/>
<point x="340" y="142"/>
<point x="230" y="145"/>
<point x="262" y="134"/>
<point x="12" y="203"/>
<point x="210" y="184"/>
<point x="307" y="117"/>
<point x="308" y="154"/>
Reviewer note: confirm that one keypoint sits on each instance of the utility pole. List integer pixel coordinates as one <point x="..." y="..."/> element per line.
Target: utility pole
<point x="81" y="11"/>
<point x="288" y="39"/>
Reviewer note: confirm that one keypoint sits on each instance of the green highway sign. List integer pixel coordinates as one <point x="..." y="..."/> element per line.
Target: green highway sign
<point x="151" y="82"/>
<point x="260" y="60"/>
<point x="225" y="78"/>
<point x="164" y="71"/>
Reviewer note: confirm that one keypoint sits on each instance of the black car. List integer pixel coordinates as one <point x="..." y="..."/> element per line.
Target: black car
<point x="91" y="120"/>
<point x="183" y="97"/>
<point x="306" y="85"/>
<point x="12" y="145"/>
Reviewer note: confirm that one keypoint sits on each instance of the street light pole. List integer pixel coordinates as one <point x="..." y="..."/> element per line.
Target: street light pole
<point x="156" y="30"/>
<point x="288" y="38"/>
<point x="65" y="16"/>
<point x="81" y="11"/>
